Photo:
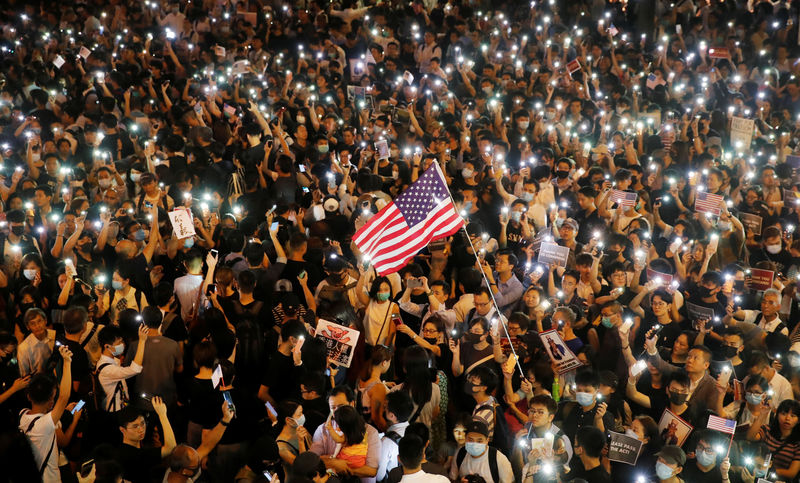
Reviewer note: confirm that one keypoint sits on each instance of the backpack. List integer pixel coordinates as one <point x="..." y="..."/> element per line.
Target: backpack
<point x="98" y="392"/>
<point x="462" y="453"/>
<point x="137" y="294"/>
<point x="502" y="438"/>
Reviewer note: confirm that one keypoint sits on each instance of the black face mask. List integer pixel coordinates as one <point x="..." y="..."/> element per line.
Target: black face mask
<point x="18" y="230"/>
<point x="738" y="285"/>
<point x="729" y="351"/>
<point x="703" y="292"/>
<point x="471" y="338"/>
<point x="562" y="174"/>
<point x="431" y="340"/>
<point x="633" y="180"/>
<point x="336" y="278"/>
<point x="677" y="398"/>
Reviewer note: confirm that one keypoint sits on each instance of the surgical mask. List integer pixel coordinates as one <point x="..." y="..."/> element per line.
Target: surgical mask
<point x="139" y="235"/>
<point x="323" y="148"/>
<point x="704" y="292"/>
<point x="631" y="434"/>
<point x="561" y="174"/>
<point x="677" y="398"/>
<point x="432" y="340"/>
<point x="516" y="216"/>
<point x="523" y="125"/>
<point x="774" y="249"/>
<point x="549" y="115"/>
<point x="753" y="398"/>
<point x="301" y="119"/>
<point x="638" y="207"/>
<point x="30" y="274"/>
<point x="526" y="196"/>
<point x="383" y="296"/>
<point x="104" y="183"/>
<point x="18" y="230"/>
<point x="116" y="285"/>
<point x="135" y="177"/>
<point x="487" y="89"/>
<point x="584" y="398"/>
<point x="301" y="420"/>
<point x="475" y="449"/>
<point x="469" y="388"/>
<point x="118" y="350"/>
<point x="189" y="242"/>
<point x="36" y="130"/>
<point x="468" y="206"/>
<point x="705" y="459"/>
<point x="606" y="321"/>
<point x="724" y="225"/>
<point x="663" y="471"/>
<point x="467" y="173"/>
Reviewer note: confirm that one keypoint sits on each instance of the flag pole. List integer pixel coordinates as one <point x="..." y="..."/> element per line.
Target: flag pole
<point x="731" y="441"/>
<point x="483" y="274"/>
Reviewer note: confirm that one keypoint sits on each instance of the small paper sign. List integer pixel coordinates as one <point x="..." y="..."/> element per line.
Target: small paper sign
<point x="673" y="429"/>
<point x="698" y="312"/>
<point x="357" y="68"/>
<point x="759" y="279"/>
<point x="356" y="93"/>
<point x="742" y="133"/>
<point x="382" y="147"/>
<point x="623" y="449"/>
<point x="408" y="77"/>
<point x="219" y="51"/>
<point x="553" y="254"/>
<point x="340" y="341"/>
<point x="85" y="53"/>
<point x="559" y="352"/>
<point x="573" y="66"/>
<point x="58" y="61"/>
<point x="751" y="222"/>
<point x="216" y="376"/>
<point x="718" y="53"/>
<point x="240" y="67"/>
<point x="229" y="111"/>
<point x="182" y="223"/>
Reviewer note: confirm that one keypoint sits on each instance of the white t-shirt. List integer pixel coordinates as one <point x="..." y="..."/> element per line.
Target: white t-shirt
<point x="480" y="466"/>
<point x="42" y="436"/>
<point x="422" y="477"/>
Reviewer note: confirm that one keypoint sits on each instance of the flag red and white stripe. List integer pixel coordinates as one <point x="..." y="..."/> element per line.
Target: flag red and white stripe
<point x="624" y="199"/>
<point x="708" y="203"/>
<point x="423" y="213"/>
<point x="721" y="424"/>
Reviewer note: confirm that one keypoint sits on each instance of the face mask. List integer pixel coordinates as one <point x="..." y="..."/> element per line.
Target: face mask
<point x="467" y="173"/>
<point x="135" y="177"/>
<point x="475" y="449"/>
<point x="663" y="471"/>
<point x="753" y="398"/>
<point x="471" y="338"/>
<point x="30" y="274"/>
<point x="677" y="398"/>
<point x="323" y="148"/>
<point x="729" y="351"/>
<point x="468" y="206"/>
<point x="189" y="242"/>
<point x="774" y="249"/>
<point x="116" y="285"/>
<point x="516" y="216"/>
<point x="469" y="388"/>
<point x="703" y="292"/>
<point x="631" y="433"/>
<point x="104" y="183"/>
<point x="487" y="89"/>
<point x="395" y="174"/>
<point x="523" y="125"/>
<point x="36" y="130"/>
<point x="301" y="420"/>
<point x="383" y="296"/>
<point x="562" y="174"/>
<point x="638" y="207"/>
<point x="139" y="235"/>
<point x="738" y="285"/>
<point x="550" y="115"/>
<point x="606" y="321"/>
<point x="705" y="459"/>
<point x="301" y="119"/>
<point x="526" y="196"/>
<point x="620" y="110"/>
<point x="118" y="350"/>
<point x="584" y="398"/>
<point x="18" y="230"/>
<point x="431" y="340"/>
<point x="724" y="225"/>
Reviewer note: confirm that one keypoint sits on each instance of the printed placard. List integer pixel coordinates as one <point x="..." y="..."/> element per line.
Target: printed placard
<point x="698" y="312"/>
<point x="665" y="278"/>
<point x="356" y="93"/>
<point x="340" y="341"/>
<point x="751" y="222"/>
<point x="408" y="77"/>
<point x="673" y="429"/>
<point x="558" y="351"/>
<point x="182" y="223"/>
<point x="573" y="66"/>
<point x="718" y="53"/>
<point x="553" y="254"/>
<point x="240" y="67"/>
<point x="382" y="147"/>
<point x="742" y="133"/>
<point x="358" y="68"/>
<point x="58" y="61"/>
<point x="623" y="449"/>
<point x="219" y="51"/>
<point x="507" y="344"/>
<point x="759" y="279"/>
<point x="84" y="52"/>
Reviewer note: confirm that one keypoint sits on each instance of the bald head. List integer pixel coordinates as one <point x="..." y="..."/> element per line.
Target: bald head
<point x="184" y="460"/>
<point x="126" y="249"/>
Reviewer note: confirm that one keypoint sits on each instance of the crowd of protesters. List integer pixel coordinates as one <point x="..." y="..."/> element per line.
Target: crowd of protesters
<point x="180" y="295"/>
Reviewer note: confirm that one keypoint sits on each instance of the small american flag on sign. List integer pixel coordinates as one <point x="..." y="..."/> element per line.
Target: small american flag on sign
<point x="708" y="203"/>
<point x="612" y="30"/>
<point x="573" y="65"/>
<point x="625" y="199"/>
<point x="721" y="424"/>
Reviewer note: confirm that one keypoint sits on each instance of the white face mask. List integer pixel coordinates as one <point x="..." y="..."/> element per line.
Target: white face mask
<point x="774" y="249"/>
<point x="301" y="119"/>
<point x="118" y="349"/>
<point x="523" y="124"/>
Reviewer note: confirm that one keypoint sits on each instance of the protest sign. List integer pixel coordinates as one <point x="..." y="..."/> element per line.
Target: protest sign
<point x="623" y="449"/>
<point x="698" y="312"/>
<point x="741" y="133"/>
<point x="673" y="429"/>
<point x="58" y="61"/>
<point x="340" y="341"/>
<point x="718" y="53"/>
<point x="558" y="351"/>
<point x="751" y="222"/>
<point x="240" y="67"/>
<point x="182" y="223"/>
<point x="664" y="278"/>
<point x="759" y="279"/>
<point x="553" y="254"/>
<point x="84" y="52"/>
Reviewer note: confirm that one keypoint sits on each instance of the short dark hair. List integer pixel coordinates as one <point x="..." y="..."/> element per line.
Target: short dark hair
<point x="410" y="451"/>
<point x="152" y="317"/>
<point x="546" y="401"/>
<point x="592" y="440"/>
<point x="345" y="390"/>
<point x="587" y="377"/>
<point x="487" y="376"/>
<point x="74" y="319"/>
<point x="127" y="415"/>
<point x="399" y="403"/>
<point x="108" y="335"/>
<point x="41" y="388"/>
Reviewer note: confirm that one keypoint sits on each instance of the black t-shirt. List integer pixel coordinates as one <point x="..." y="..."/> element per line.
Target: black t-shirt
<point x="204" y="402"/>
<point x="691" y="472"/>
<point x="279" y="377"/>
<point x="138" y="463"/>
<point x="595" y="475"/>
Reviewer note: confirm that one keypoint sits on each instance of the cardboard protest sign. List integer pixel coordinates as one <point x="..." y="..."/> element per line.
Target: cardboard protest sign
<point x="673" y="429"/>
<point x="558" y="351"/>
<point x="698" y="312"/>
<point x="182" y="223"/>
<point x="742" y="133"/>
<point x="623" y="449"/>
<point x="340" y="341"/>
<point x="751" y="222"/>
<point x="553" y="254"/>
<point x="718" y="53"/>
<point x="759" y="279"/>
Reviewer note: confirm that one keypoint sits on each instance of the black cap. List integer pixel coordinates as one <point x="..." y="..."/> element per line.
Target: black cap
<point x="479" y="427"/>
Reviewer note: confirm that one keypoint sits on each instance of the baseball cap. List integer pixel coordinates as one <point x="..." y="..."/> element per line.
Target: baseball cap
<point x="571" y="223"/>
<point x="479" y="427"/>
<point x="330" y="204"/>
<point x="672" y="454"/>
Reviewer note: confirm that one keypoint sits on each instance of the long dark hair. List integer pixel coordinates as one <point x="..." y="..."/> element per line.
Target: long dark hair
<point x="380" y="354"/>
<point x="417" y="366"/>
<point x="786" y="406"/>
<point x="351" y="423"/>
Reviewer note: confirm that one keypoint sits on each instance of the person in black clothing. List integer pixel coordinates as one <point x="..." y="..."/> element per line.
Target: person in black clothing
<point x="138" y="462"/>
<point x="588" y="447"/>
<point x="707" y="465"/>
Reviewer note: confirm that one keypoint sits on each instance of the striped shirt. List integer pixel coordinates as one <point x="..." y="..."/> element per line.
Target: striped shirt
<point x="782" y="454"/>
<point x="486" y="413"/>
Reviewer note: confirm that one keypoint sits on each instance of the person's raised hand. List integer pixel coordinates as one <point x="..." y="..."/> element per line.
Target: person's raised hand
<point x="143" y="332"/>
<point x="158" y="406"/>
<point x="66" y="354"/>
<point x="20" y="383"/>
<point x="227" y="412"/>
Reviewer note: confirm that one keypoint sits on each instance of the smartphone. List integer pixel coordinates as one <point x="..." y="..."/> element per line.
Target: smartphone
<point x="301" y="274"/>
<point x="396" y="319"/>
<point x="214" y="252"/>
<point x="78" y="406"/>
<point x="271" y="409"/>
<point x="305" y="189"/>
<point x="273" y="226"/>
<point x="147" y="397"/>
<point x="212" y="288"/>
<point x="86" y="468"/>
<point x="268" y="475"/>
<point x="229" y="400"/>
<point x="414" y="282"/>
<point x="302" y="168"/>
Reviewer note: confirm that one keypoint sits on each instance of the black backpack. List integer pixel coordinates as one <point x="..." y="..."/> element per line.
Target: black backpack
<point x="462" y="453"/>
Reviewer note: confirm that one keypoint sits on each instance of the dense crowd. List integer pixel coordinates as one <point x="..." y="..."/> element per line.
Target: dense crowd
<point x="181" y="298"/>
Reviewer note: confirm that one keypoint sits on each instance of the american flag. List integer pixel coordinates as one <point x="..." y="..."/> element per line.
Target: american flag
<point x="721" y="424"/>
<point x="708" y="203"/>
<point x="625" y="199"/>
<point x="421" y="214"/>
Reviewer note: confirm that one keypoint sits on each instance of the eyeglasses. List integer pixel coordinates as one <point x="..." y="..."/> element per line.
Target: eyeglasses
<point x="430" y="331"/>
<point x="537" y="412"/>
